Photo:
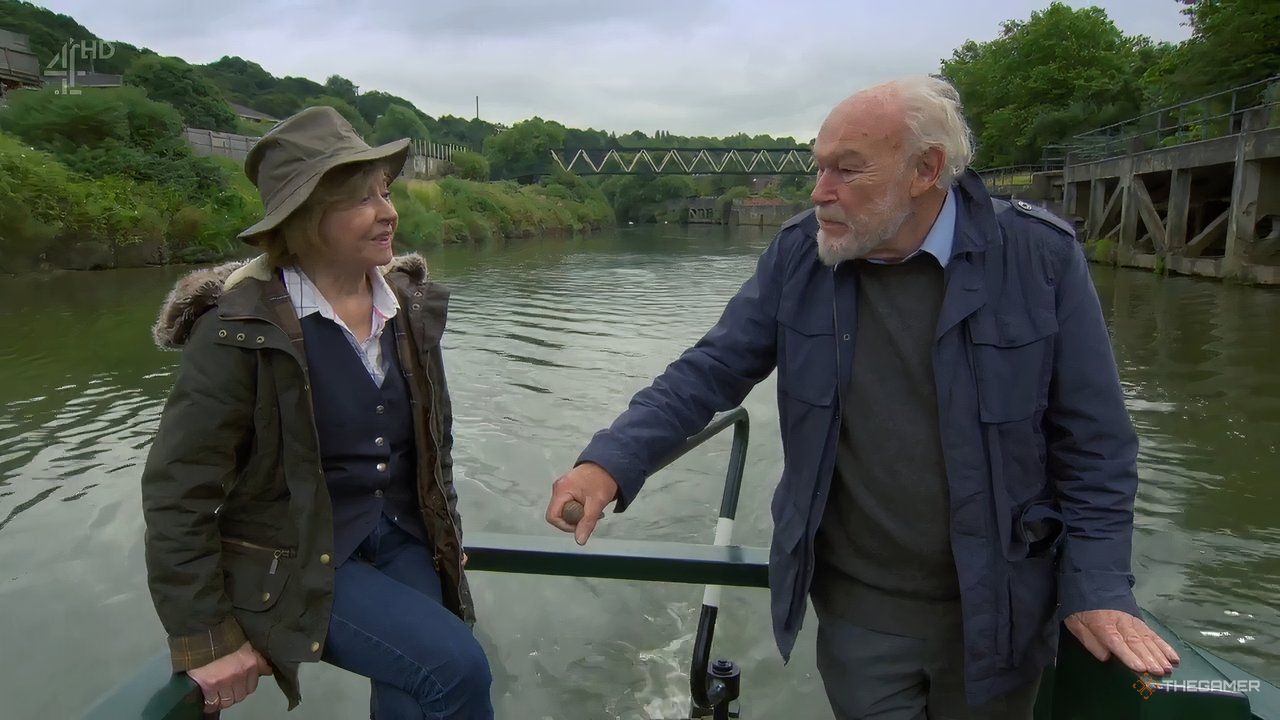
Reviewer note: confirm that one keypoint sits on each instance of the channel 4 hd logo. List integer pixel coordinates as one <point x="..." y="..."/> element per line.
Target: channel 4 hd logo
<point x="64" y="66"/>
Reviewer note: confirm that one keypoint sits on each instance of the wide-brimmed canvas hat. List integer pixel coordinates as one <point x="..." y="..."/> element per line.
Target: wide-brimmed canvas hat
<point x="287" y="163"/>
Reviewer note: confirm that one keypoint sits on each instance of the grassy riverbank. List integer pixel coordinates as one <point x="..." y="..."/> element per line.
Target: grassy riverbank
<point x="103" y="179"/>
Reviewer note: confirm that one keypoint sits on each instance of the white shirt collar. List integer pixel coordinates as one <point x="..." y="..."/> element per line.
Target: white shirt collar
<point x="307" y="299"/>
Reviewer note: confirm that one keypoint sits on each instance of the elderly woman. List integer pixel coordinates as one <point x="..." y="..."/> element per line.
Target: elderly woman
<point x="298" y="497"/>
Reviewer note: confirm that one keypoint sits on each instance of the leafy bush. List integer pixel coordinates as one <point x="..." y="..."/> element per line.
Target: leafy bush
<point x="454" y="210"/>
<point x="725" y="201"/>
<point x="470" y="166"/>
<point x="455" y="231"/>
<point x="419" y="226"/>
<point x="114" y="131"/>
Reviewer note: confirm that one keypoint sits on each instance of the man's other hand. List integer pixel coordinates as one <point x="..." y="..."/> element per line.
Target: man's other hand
<point x="1113" y="632"/>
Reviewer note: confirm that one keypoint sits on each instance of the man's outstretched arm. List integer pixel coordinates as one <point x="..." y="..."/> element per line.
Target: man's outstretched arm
<point x="712" y="376"/>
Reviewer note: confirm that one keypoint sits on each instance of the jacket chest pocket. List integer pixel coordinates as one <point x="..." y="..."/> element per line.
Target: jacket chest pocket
<point x="807" y="359"/>
<point x="1012" y="362"/>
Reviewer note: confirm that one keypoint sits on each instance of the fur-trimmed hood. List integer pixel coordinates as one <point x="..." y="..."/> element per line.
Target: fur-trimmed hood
<point x="198" y="291"/>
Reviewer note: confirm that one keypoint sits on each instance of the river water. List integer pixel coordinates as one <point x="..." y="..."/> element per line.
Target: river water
<point x="547" y="340"/>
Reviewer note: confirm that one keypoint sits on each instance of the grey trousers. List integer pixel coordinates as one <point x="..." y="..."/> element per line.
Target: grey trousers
<point x="873" y="675"/>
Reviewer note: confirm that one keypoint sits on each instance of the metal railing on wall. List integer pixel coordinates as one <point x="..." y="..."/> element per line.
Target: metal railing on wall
<point x="440" y="151"/>
<point x="1212" y="116"/>
<point x="1015" y="179"/>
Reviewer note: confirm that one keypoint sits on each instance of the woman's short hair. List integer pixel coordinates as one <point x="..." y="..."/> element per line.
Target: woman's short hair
<point x="299" y="234"/>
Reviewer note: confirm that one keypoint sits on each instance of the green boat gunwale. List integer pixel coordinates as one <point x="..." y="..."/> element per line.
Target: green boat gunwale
<point x="1077" y="687"/>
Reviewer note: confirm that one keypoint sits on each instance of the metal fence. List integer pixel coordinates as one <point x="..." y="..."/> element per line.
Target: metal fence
<point x="439" y="151"/>
<point x="1014" y="180"/>
<point x="1204" y="118"/>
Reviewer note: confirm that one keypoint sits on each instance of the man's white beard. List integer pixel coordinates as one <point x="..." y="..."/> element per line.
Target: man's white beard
<point x="856" y="242"/>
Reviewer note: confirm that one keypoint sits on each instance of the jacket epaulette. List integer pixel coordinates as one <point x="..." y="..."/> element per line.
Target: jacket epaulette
<point x="1034" y="212"/>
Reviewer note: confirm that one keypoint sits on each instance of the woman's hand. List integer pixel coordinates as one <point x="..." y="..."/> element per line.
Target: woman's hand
<point x="231" y="678"/>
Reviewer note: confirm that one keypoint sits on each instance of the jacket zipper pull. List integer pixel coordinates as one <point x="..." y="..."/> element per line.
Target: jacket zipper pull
<point x="275" y="563"/>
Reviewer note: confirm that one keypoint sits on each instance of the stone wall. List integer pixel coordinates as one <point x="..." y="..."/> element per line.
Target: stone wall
<point x="764" y="211"/>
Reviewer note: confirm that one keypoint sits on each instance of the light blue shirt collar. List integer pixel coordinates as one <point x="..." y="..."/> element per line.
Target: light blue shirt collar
<point x="941" y="237"/>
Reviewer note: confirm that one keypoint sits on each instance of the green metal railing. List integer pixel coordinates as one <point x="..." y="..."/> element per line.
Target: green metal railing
<point x="1204" y="118"/>
<point x="1078" y="687"/>
<point x="1014" y="180"/>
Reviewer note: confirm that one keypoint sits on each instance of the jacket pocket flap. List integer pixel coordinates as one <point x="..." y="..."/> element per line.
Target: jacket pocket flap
<point x="807" y="324"/>
<point x="1012" y="355"/>
<point x="254" y="579"/>
<point x="1012" y="329"/>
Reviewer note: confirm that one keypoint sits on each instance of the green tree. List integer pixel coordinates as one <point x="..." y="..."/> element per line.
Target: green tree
<point x="398" y="122"/>
<point x="1233" y="42"/>
<point x="1061" y="72"/>
<point x="241" y="81"/>
<point x="171" y="80"/>
<point x="524" y="150"/>
<point x="461" y="131"/>
<point x="301" y="88"/>
<point x="374" y="103"/>
<point x="249" y="84"/>
<point x="344" y="108"/>
<point x="338" y="86"/>
<point x="277" y="104"/>
<point x="590" y="139"/>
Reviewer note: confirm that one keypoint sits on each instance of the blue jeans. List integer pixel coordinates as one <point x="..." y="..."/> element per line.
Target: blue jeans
<point x="388" y="624"/>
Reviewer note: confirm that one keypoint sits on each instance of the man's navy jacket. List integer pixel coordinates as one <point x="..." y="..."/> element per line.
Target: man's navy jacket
<point x="1039" y="450"/>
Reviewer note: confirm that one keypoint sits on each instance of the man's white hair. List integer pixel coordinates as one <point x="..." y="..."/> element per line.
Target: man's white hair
<point x="936" y="119"/>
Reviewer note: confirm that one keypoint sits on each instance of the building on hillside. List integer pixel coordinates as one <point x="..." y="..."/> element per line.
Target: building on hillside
<point x="248" y="113"/>
<point x="19" y="67"/>
<point x="87" y="79"/>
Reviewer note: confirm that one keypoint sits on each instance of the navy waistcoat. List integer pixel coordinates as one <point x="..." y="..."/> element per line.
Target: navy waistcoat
<point x="366" y="435"/>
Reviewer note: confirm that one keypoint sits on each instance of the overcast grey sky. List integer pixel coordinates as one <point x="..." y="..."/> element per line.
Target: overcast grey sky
<point x="693" y="67"/>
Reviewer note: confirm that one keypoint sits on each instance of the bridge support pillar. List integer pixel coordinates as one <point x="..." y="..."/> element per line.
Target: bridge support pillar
<point x="1128" y="212"/>
<point x="1097" y="206"/>
<point x="1245" y="188"/>
<point x="1069" y="210"/>
<point x="1175" y="225"/>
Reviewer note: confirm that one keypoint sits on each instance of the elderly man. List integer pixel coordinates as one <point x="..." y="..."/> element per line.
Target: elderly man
<point x="960" y="468"/>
